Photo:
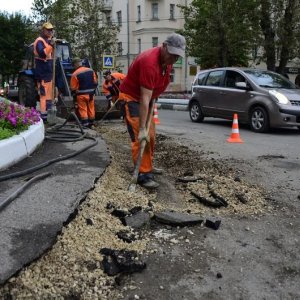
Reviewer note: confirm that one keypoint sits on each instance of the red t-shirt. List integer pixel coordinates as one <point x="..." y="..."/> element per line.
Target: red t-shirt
<point x="146" y="71"/>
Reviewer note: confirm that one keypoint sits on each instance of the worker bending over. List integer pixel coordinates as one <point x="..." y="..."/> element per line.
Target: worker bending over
<point x="83" y="85"/>
<point x="43" y="56"/>
<point x="148" y="76"/>
<point x="111" y="85"/>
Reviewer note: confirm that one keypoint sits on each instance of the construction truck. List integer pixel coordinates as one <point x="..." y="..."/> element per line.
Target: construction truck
<point x="27" y="86"/>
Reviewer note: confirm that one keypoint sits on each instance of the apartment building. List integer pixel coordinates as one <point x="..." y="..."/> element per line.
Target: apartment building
<point x="145" y="24"/>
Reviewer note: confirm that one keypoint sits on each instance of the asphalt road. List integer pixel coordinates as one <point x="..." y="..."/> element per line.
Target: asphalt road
<point x="249" y="257"/>
<point x="274" y="156"/>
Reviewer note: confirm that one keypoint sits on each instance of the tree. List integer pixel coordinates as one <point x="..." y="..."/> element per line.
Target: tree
<point x="81" y="23"/>
<point x="95" y="35"/>
<point x="221" y="32"/>
<point x="280" y="21"/>
<point x="41" y="9"/>
<point x="60" y="13"/>
<point x="15" y="32"/>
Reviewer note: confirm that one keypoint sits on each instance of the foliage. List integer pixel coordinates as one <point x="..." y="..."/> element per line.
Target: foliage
<point x="221" y="32"/>
<point x="280" y="25"/>
<point x="15" y="32"/>
<point x="16" y="118"/>
<point x="41" y="9"/>
<point x="6" y="133"/>
<point x="81" y="23"/>
<point x="60" y="13"/>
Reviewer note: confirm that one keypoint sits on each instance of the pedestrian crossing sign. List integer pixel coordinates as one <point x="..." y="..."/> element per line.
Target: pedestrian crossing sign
<point x="108" y="62"/>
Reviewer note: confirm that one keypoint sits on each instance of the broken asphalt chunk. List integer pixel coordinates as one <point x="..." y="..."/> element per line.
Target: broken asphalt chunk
<point x="121" y="261"/>
<point x="126" y="236"/>
<point x="213" y="225"/>
<point x="177" y="218"/>
<point x="188" y="179"/>
<point x="89" y="221"/>
<point x="242" y="197"/>
<point x="137" y="220"/>
<point x="119" y="213"/>
<point x="135" y="209"/>
<point x="218" y="198"/>
<point x="207" y="202"/>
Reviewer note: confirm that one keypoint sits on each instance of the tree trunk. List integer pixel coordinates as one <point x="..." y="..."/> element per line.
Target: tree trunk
<point x="288" y="35"/>
<point x="269" y="34"/>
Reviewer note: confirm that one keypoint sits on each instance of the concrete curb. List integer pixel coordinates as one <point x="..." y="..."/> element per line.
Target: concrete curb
<point x="173" y="104"/>
<point x="16" y="148"/>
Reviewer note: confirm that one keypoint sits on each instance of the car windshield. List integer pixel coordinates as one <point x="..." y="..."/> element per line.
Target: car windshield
<point x="269" y="79"/>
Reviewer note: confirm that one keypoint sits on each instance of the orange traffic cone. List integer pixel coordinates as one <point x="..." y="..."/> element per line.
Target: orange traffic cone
<point x="155" y="116"/>
<point x="235" y="135"/>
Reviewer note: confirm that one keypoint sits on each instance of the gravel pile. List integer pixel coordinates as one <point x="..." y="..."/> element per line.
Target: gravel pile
<point x="72" y="268"/>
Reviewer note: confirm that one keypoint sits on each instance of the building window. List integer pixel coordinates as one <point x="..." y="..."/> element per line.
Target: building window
<point x="138" y="13"/>
<point x="154" y="11"/>
<point x="108" y="19"/>
<point x="172" y="11"/>
<point x="172" y="75"/>
<point x="120" y="48"/>
<point x="119" y="17"/>
<point x="139" y="45"/>
<point x="154" y="41"/>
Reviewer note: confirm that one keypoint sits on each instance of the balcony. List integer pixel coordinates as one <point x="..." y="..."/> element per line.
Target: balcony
<point x="107" y="5"/>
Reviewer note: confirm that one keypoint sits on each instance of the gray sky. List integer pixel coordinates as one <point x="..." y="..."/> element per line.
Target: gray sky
<point x="12" y="6"/>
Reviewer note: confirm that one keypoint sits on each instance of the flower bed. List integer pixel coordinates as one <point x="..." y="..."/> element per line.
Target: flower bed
<point x="15" y="118"/>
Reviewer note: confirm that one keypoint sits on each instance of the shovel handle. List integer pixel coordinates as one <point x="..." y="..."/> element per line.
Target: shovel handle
<point x="141" y="150"/>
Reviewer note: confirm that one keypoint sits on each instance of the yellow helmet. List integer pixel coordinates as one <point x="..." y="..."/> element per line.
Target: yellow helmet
<point x="47" y="25"/>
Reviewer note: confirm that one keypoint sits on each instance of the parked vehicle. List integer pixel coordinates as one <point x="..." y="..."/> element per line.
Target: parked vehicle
<point x="13" y="92"/>
<point x="2" y="92"/>
<point x="261" y="98"/>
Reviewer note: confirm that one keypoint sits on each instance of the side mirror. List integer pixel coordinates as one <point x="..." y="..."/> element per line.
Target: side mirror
<point x="242" y="85"/>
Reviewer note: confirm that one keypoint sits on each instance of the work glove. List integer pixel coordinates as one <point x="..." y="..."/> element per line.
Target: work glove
<point x="143" y="135"/>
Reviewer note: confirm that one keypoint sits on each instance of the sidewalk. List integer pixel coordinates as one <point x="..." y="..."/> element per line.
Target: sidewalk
<point x="29" y="225"/>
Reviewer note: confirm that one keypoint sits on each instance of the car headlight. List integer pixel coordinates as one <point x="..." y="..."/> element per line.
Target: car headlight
<point x="282" y="99"/>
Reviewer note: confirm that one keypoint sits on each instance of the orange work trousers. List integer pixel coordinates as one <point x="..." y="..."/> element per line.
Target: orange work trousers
<point x="133" y="125"/>
<point x="86" y="109"/>
<point x="45" y="93"/>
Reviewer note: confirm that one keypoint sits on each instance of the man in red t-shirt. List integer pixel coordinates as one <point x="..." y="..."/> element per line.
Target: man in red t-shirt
<point x="148" y="76"/>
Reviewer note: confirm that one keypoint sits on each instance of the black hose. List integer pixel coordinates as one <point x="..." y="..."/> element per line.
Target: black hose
<point x="58" y="133"/>
<point x="49" y="162"/>
<point x="22" y="188"/>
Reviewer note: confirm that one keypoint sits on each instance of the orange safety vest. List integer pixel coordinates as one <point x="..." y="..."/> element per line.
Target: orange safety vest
<point x="43" y="65"/>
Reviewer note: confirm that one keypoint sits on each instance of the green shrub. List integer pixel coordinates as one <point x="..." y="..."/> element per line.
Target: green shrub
<point x="6" y="133"/>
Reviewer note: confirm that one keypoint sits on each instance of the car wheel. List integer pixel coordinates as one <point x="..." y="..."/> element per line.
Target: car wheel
<point x="196" y="114"/>
<point x="259" y="119"/>
<point x="27" y="93"/>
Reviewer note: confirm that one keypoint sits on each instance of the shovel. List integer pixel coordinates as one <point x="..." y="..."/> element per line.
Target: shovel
<point x="135" y="175"/>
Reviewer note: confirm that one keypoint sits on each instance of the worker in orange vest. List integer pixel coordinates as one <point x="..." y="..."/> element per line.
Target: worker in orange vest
<point x="43" y="56"/>
<point x="110" y="85"/>
<point x="83" y="85"/>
